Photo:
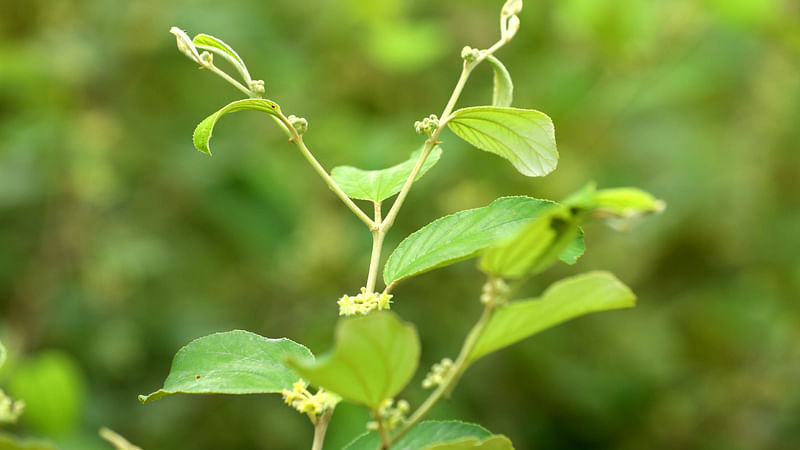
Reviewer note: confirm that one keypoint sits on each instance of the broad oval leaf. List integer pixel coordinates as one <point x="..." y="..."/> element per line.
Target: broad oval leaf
<point x="374" y="358"/>
<point x="378" y="185"/>
<point x="423" y="435"/>
<point x="202" y="134"/>
<point x="496" y="442"/>
<point x="564" y="300"/>
<point x="525" y="137"/>
<point x="216" y="45"/>
<point x="234" y="362"/>
<point x="464" y="234"/>
<point x="503" y="92"/>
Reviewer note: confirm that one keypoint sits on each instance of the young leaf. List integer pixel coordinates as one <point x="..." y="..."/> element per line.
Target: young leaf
<point x="525" y="137"/>
<point x="374" y="358"/>
<point x="235" y="362"/>
<point x="496" y="442"/>
<point x="210" y="43"/>
<point x="503" y="92"/>
<point x="535" y="247"/>
<point x="378" y="185"/>
<point x="564" y="300"/>
<point x="462" y="235"/>
<point x="423" y="435"/>
<point x="202" y="134"/>
<point x="627" y="202"/>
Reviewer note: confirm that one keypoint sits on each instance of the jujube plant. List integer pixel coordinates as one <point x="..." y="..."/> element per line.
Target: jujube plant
<point x="376" y="353"/>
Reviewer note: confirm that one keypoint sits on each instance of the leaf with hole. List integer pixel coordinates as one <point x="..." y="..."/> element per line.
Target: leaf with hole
<point x="234" y="362"/>
<point x="378" y="185"/>
<point x="464" y="234"/>
<point x="374" y="358"/>
<point x="202" y="134"/>
<point x="525" y="137"/>
<point x="566" y="299"/>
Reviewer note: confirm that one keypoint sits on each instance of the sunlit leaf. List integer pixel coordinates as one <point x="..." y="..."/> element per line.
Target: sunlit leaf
<point x="503" y="92"/>
<point x="564" y="300"/>
<point x="216" y="45"/>
<point x="464" y="234"/>
<point x="378" y="185"/>
<point x="202" y="134"/>
<point x="525" y="137"/>
<point x="374" y="358"/>
<point x="234" y="362"/>
<point x="423" y="435"/>
<point x="534" y="247"/>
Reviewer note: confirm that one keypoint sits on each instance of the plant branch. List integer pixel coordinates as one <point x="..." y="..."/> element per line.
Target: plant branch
<point x="453" y="375"/>
<point x="377" y="245"/>
<point x="320" y="427"/>
<point x="298" y="140"/>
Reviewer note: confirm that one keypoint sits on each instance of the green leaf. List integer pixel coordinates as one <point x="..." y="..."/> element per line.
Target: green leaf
<point x="374" y="358"/>
<point x="202" y="134"/>
<point x="235" y="362"/>
<point x="496" y="442"/>
<point x="378" y="185"/>
<point x="564" y="300"/>
<point x="525" y="137"/>
<point x="535" y="247"/>
<point x="216" y="45"/>
<point x="503" y="92"/>
<point x="574" y="250"/>
<point x="423" y="435"/>
<point x="464" y="234"/>
<point x="627" y="202"/>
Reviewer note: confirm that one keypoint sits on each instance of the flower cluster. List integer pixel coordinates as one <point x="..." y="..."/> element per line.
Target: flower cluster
<point x="427" y="125"/>
<point x="303" y="401"/>
<point x="438" y="373"/>
<point x="390" y="415"/>
<point x="363" y="303"/>
<point x="495" y="291"/>
<point x="298" y="123"/>
<point x="9" y="409"/>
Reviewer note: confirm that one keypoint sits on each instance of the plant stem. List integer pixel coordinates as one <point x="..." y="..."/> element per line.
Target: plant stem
<point x="386" y="441"/>
<point x="298" y="140"/>
<point x="453" y="376"/>
<point x="377" y="245"/>
<point x="320" y="427"/>
<point x="230" y="80"/>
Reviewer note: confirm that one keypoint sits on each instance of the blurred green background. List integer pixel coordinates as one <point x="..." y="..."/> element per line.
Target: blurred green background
<point x="119" y="243"/>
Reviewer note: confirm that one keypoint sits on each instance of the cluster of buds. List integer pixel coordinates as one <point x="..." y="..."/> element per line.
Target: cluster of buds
<point x="427" y="125"/>
<point x="363" y="303"/>
<point x="303" y="401"/>
<point x="509" y="18"/>
<point x="438" y="373"/>
<point x="257" y="86"/>
<point x="470" y="54"/>
<point x="390" y="415"/>
<point x="9" y="410"/>
<point x="494" y="291"/>
<point x="298" y="123"/>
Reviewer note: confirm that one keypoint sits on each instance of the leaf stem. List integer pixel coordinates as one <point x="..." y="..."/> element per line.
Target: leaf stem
<point x="453" y="376"/>
<point x="320" y="427"/>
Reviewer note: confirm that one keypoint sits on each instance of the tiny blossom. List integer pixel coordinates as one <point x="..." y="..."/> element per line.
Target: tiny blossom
<point x="391" y="416"/>
<point x="438" y="373"/>
<point x="303" y="401"/>
<point x="364" y="303"/>
<point x="427" y="125"/>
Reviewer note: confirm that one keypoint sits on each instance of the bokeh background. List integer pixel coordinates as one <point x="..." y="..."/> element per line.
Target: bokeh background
<point x="119" y="243"/>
